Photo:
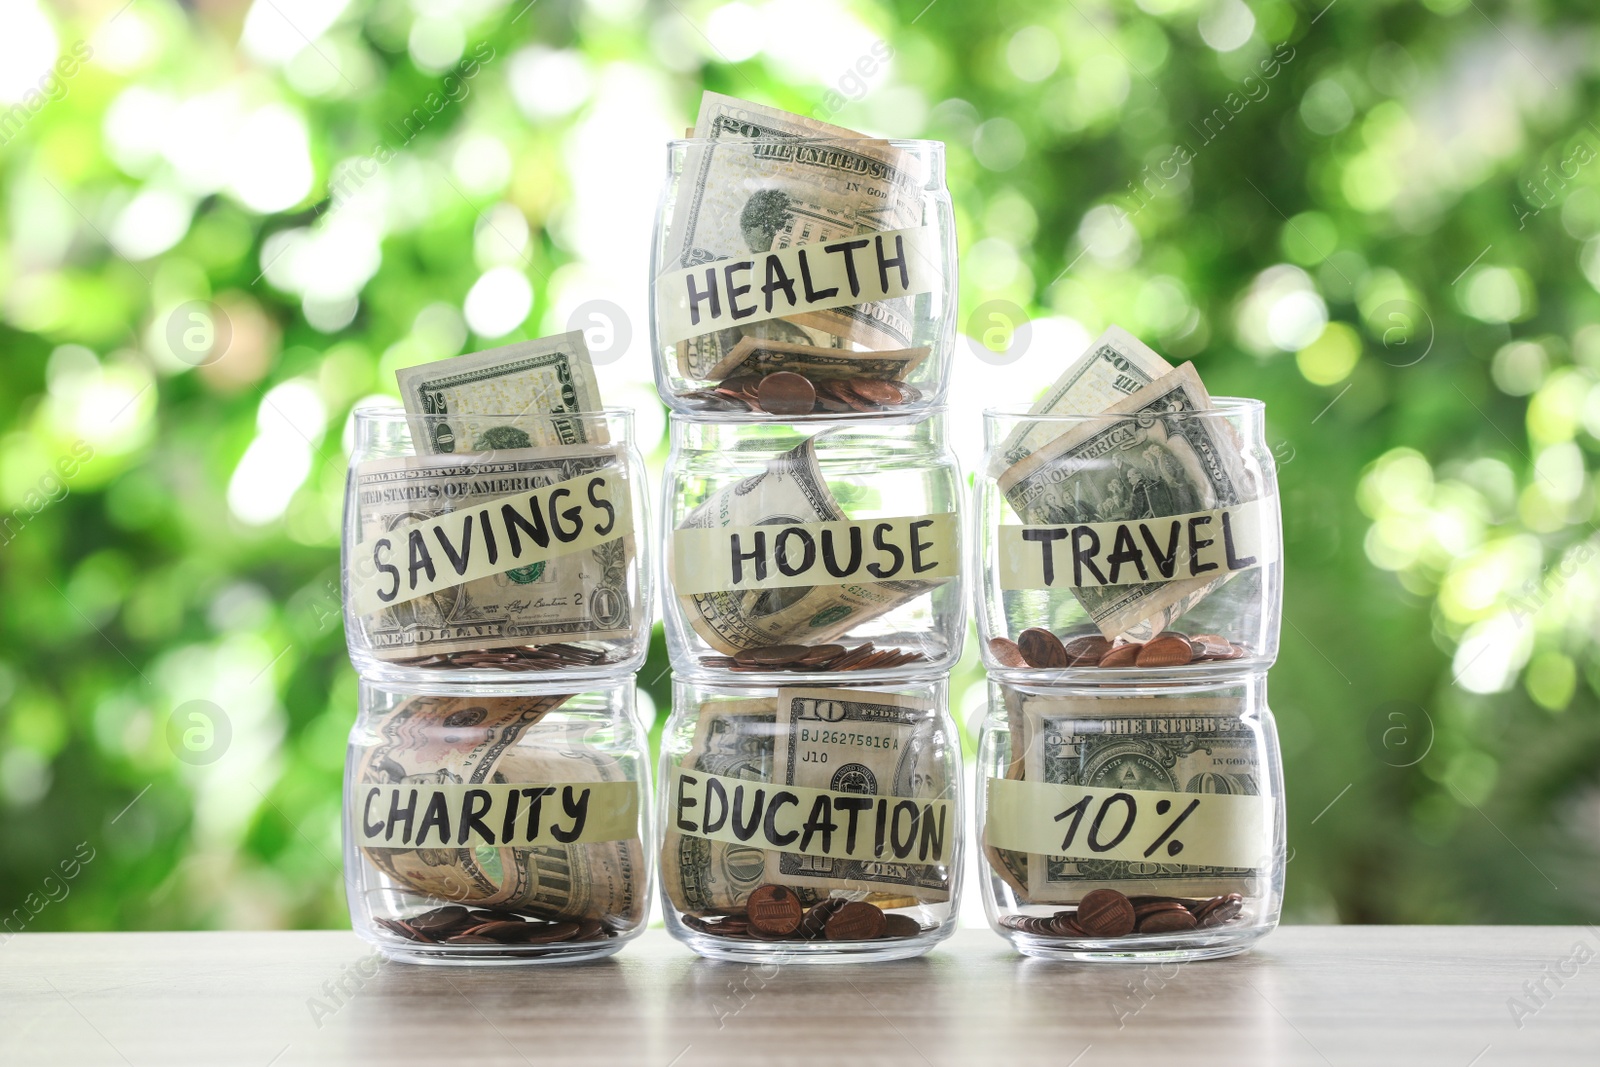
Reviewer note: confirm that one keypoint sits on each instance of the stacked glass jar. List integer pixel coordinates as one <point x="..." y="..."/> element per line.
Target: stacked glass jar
<point x="1130" y="797"/>
<point x="810" y="786"/>
<point x="497" y="605"/>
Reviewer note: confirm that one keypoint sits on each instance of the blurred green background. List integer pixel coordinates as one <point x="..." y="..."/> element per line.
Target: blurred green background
<point x="227" y="222"/>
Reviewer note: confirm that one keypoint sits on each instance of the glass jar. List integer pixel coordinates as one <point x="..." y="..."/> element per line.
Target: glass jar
<point x="818" y="547"/>
<point x="801" y="276"/>
<point x="521" y="556"/>
<point x="491" y="824"/>
<point x="1144" y="823"/>
<point x="1146" y="542"/>
<point x="810" y="823"/>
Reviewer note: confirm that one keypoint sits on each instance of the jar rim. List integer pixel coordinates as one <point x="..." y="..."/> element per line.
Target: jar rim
<point x="1221" y="407"/>
<point x="908" y="144"/>
<point x="395" y="412"/>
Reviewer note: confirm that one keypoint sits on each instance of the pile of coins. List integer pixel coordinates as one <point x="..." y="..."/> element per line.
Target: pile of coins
<point x="775" y="913"/>
<point x="1042" y="650"/>
<point x="808" y="658"/>
<point x="455" y="924"/>
<point x="787" y="393"/>
<point x="1107" y="913"/>
<point x="513" y="658"/>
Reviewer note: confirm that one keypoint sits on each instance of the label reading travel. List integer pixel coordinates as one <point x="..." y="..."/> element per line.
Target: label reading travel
<point x="1139" y="551"/>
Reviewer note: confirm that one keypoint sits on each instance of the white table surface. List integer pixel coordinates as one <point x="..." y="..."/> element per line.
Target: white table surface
<point x="1306" y="995"/>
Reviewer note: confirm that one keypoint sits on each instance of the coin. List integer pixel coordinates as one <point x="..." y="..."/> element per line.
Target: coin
<point x="771" y="655"/>
<point x="821" y="654"/>
<point x="501" y="930"/>
<point x="874" y="391"/>
<point x="816" y="918"/>
<point x="774" y="909"/>
<point x="787" y="393"/>
<point x="1219" y="910"/>
<point x="901" y="926"/>
<point x="445" y="918"/>
<point x="1041" y="649"/>
<point x="1166" y="650"/>
<point x="1105" y="913"/>
<point x="1086" y="651"/>
<point x="1122" y="655"/>
<point x="470" y="939"/>
<point x="1167" y="920"/>
<point x="1062" y="924"/>
<point x="545" y="933"/>
<point x="856" y="921"/>
<point x="1005" y="652"/>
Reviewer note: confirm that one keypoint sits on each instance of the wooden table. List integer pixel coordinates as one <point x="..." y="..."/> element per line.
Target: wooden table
<point x="1312" y="995"/>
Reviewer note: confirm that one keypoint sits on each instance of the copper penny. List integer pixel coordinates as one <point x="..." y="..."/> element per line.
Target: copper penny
<point x="1105" y="913"/>
<point x="1168" y="650"/>
<point x="1005" y="652"/>
<point x="501" y="930"/>
<point x="821" y="654"/>
<point x="856" y="921"/>
<point x="445" y="918"/>
<point x="1086" y="651"/>
<point x="1041" y="649"/>
<point x="816" y="918"/>
<point x="1062" y="924"/>
<point x="901" y="926"/>
<point x="471" y="939"/>
<point x="875" y="391"/>
<point x="787" y="393"/>
<point x="1221" y="910"/>
<point x="1211" y="646"/>
<point x="1122" y="655"/>
<point x="1166" y="921"/>
<point x="774" y="909"/>
<point x="545" y="933"/>
<point x="771" y="655"/>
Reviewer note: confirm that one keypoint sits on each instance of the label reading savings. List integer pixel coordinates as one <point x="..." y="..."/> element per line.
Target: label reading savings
<point x="501" y="534"/>
<point x="787" y="555"/>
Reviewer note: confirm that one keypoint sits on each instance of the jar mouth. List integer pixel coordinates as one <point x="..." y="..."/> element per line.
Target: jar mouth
<point x="902" y="143"/>
<point x="750" y="418"/>
<point x="1221" y="407"/>
<point x="397" y="413"/>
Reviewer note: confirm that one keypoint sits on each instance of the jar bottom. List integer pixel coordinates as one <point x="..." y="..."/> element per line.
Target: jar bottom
<point x="810" y="952"/>
<point x="1138" y="948"/>
<point x="491" y="956"/>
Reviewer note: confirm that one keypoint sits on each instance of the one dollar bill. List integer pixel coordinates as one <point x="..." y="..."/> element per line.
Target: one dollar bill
<point x="523" y="395"/>
<point x="580" y="596"/>
<point x="1167" y="744"/>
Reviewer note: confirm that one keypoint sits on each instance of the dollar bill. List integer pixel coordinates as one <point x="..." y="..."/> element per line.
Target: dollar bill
<point x="736" y="200"/>
<point x="510" y="397"/>
<point x="753" y="357"/>
<point x="790" y="490"/>
<point x="476" y="739"/>
<point x="733" y="739"/>
<point x="581" y="596"/>
<point x="1151" y="462"/>
<point x="876" y="744"/>
<point x="710" y="356"/>
<point x="1172" y="744"/>
<point x="1116" y="365"/>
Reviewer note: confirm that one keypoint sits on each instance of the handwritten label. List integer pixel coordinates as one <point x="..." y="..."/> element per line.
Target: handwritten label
<point x="456" y="815"/>
<point x="795" y="280"/>
<point x="811" y="822"/>
<point x="1139" y="551"/>
<point x="921" y="547"/>
<point x="483" y="539"/>
<point x="1133" y="825"/>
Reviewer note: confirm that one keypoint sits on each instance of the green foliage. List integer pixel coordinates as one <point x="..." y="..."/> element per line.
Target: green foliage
<point x="1381" y="219"/>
